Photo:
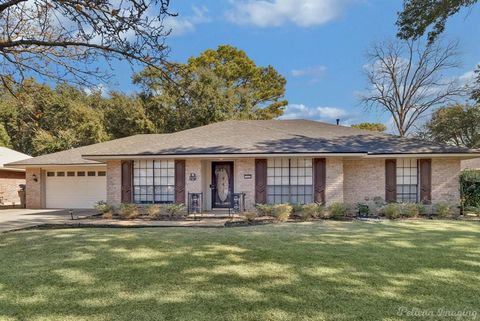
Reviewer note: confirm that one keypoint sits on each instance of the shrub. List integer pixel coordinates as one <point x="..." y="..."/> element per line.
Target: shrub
<point x="391" y="211"/>
<point x="129" y="211"/>
<point x="338" y="210"/>
<point x="102" y="207"/>
<point x="312" y="210"/>
<point x="408" y="209"/>
<point x="282" y="212"/>
<point x="473" y="209"/>
<point x="443" y="209"/>
<point x="108" y="215"/>
<point x="250" y="216"/>
<point x="297" y="210"/>
<point x="175" y="210"/>
<point x="153" y="211"/>
<point x="264" y="209"/>
<point x="363" y="209"/>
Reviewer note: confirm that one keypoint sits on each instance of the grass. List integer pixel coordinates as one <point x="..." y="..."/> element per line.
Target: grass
<point x="305" y="271"/>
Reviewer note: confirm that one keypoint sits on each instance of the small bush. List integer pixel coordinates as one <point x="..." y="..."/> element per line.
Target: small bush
<point x="339" y="210"/>
<point x="391" y="211"/>
<point x="175" y="210"/>
<point x="473" y="209"/>
<point x="282" y="212"/>
<point x="250" y="216"/>
<point x="102" y="207"/>
<point x="312" y="210"/>
<point x="153" y="211"/>
<point x="264" y="209"/>
<point x="363" y="209"/>
<point x="108" y="215"/>
<point x="408" y="209"/>
<point x="443" y="209"/>
<point x="129" y="211"/>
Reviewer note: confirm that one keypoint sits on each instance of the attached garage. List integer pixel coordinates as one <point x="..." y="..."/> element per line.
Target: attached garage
<point x="78" y="187"/>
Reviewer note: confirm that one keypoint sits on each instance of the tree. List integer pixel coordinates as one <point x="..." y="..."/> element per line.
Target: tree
<point x="125" y="116"/>
<point x="418" y="15"/>
<point x="215" y="86"/>
<point x="42" y="120"/>
<point x="475" y="95"/>
<point x="63" y="40"/>
<point x="407" y="79"/>
<point x="4" y="138"/>
<point x="458" y="125"/>
<point x="376" y="127"/>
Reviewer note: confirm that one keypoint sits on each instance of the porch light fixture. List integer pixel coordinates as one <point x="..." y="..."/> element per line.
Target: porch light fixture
<point x="35" y="179"/>
<point x="193" y="176"/>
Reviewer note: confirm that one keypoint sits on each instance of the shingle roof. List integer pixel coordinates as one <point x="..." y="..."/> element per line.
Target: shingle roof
<point x="252" y="137"/>
<point x="8" y="155"/>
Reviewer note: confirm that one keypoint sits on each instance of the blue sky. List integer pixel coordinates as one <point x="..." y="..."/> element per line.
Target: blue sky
<point x="320" y="47"/>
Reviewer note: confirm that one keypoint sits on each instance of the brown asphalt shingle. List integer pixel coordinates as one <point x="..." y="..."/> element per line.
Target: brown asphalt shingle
<point x="251" y="137"/>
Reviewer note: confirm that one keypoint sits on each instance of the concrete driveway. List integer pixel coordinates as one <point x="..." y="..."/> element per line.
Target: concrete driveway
<point x="15" y="219"/>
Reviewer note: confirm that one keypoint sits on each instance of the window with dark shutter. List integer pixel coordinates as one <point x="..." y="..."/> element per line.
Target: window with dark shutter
<point x="425" y="180"/>
<point x="390" y="180"/>
<point x="127" y="169"/>
<point x="320" y="179"/>
<point x="180" y="181"/>
<point x="260" y="181"/>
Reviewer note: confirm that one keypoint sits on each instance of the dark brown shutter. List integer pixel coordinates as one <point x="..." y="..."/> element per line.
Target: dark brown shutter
<point x="320" y="179"/>
<point x="127" y="173"/>
<point x="390" y="180"/>
<point x="260" y="181"/>
<point x="180" y="181"/>
<point x="425" y="180"/>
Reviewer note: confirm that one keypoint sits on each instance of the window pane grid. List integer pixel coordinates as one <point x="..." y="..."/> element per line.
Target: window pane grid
<point x="153" y="181"/>
<point x="289" y="180"/>
<point x="407" y="180"/>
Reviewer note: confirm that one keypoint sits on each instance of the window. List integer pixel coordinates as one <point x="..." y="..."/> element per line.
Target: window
<point x="407" y="180"/>
<point x="50" y="174"/>
<point x="60" y="174"/>
<point x="102" y="173"/>
<point x="154" y="181"/>
<point x="289" y="180"/>
<point x="80" y="173"/>
<point x="70" y="174"/>
<point x="91" y="173"/>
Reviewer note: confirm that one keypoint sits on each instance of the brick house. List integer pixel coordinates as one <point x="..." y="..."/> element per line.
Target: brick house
<point x="11" y="179"/>
<point x="271" y="161"/>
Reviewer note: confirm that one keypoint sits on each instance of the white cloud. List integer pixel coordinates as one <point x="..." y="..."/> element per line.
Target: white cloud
<point x="183" y="25"/>
<point x="314" y="71"/>
<point x="326" y="114"/>
<point x="274" y="13"/>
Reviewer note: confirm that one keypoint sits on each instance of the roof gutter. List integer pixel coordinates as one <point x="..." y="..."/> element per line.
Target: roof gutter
<point x="203" y="156"/>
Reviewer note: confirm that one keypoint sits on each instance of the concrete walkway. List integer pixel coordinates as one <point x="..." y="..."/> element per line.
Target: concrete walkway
<point x="17" y="219"/>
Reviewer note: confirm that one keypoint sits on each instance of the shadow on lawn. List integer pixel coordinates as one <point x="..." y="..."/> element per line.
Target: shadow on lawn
<point x="330" y="271"/>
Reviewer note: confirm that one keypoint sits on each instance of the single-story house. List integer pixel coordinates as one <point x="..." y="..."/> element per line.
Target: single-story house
<point x="471" y="164"/>
<point x="11" y="179"/>
<point x="267" y="161"/>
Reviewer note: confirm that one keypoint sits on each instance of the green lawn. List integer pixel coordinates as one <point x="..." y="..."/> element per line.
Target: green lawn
<point x="307" y="271"/>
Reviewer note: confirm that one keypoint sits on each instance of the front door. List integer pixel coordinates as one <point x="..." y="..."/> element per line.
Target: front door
<point x="222" y="184"/>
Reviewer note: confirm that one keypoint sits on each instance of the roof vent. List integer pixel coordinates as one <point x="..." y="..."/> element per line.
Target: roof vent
<point x="338" y="121"/>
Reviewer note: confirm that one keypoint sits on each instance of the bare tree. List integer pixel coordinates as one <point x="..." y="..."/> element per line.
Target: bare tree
<point x="407" y="79"/>
<point x="64" y="40"/>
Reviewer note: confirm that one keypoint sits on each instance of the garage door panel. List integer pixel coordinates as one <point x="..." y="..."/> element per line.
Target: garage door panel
<point x="75" y="192"/>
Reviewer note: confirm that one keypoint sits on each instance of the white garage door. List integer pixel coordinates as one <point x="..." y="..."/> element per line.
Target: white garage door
<point x="75" y="188"/>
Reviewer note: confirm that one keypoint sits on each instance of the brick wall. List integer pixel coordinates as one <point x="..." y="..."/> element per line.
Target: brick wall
<point x="334" y="181"/>
<point x="114" y="182"/>
<point x="243" y="185"/>
<point x="363" y="179"/>
<point x="9" y="186"/>
<point x="445" y="180"/>
<point x="34" y="190"/>
<point x="193" y="166"/>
